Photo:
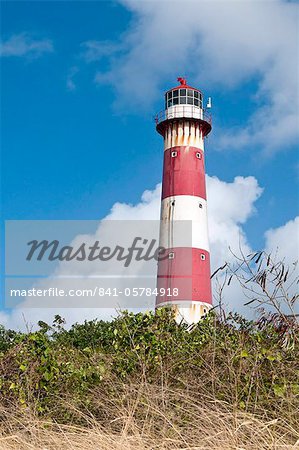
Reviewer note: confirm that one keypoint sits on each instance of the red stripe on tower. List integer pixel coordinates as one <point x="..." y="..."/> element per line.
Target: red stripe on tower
<point x="183" y="279"/>
<point x="184" y="172"/>
<point x="189" y="271"/>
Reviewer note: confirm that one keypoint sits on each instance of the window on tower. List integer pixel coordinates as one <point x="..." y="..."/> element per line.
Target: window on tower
<point x="168" y="99"/>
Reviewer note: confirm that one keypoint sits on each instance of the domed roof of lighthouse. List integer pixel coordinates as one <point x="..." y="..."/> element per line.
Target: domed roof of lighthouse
<point x="183" y="84"/>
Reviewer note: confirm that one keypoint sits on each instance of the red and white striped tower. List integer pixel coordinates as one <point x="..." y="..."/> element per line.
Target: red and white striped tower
<point x="184" y="125"/>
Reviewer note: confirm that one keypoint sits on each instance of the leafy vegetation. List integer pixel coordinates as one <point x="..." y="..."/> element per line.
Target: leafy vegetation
<point x="239" y="362"/>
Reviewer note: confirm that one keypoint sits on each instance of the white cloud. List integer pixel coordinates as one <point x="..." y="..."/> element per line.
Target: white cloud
<point x="220" y="45"/>
<point x="284" y="241"/>
<point x="147" y="209"/>
<point x="283" y="245"/>
<point x="70" y="83"/>
<point x="24" y="45"/>
<point x="96" y="50"/>
<point x="230" y="205"/>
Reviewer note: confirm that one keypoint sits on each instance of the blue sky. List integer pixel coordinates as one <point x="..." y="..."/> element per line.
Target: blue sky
<point x="81" y="82"/>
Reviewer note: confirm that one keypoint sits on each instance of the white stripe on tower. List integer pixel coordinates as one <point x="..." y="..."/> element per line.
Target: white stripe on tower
<point x="184" y="208"/>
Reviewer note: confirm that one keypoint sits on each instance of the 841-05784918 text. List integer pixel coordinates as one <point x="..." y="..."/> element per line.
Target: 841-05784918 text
<point x="96" y="291"/>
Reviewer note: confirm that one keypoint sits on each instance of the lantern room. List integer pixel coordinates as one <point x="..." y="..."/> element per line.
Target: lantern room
<point x="183" y="101"/>
<point x="183" y="95"/>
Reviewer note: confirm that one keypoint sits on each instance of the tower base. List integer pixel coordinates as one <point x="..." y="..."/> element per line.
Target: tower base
<point x="188" y="312"/>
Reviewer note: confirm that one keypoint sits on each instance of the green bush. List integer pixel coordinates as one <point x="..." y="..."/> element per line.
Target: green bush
<point x="245" y="364"/>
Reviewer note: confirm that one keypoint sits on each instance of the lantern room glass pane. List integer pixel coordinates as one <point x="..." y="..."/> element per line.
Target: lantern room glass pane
<point x="195" y="94"/>
<point x="190" y="92"/>
<point x="169" y="103"/>
<point x="182" y="92"/>
<point x="190" y="100"/>
<point x="175" y="101"/>
<point x="183" y="100"/>
<point x="176" y="93"/>
<point x="169" y="95"/>
<point x="196" y="102"/>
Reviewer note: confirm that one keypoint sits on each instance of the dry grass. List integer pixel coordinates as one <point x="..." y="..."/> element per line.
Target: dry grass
<point x="147" y="417"/>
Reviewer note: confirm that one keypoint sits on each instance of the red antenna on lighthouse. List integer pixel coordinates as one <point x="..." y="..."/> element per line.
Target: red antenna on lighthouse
<point x="182" y="81"/>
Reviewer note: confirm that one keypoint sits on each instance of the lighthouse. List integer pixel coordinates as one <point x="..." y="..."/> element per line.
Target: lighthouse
<point x="183" y="279"/>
